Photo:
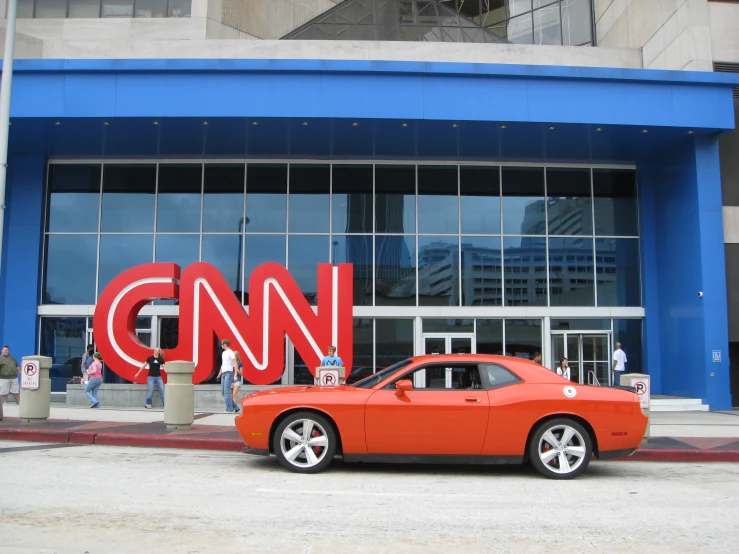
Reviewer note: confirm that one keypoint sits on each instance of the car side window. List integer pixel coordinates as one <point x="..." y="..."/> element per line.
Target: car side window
<point x="444" y="377"/>
<point x="499" y="376"/>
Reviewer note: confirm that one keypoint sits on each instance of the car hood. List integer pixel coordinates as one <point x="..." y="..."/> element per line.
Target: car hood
<point x="301" y="389"/>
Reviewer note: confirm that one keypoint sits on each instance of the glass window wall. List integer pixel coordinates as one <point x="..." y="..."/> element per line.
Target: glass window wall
<point x="544" y="251"/>
<point x="61" y="9"/>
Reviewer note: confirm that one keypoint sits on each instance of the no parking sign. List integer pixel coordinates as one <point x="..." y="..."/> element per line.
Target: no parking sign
<point x="29" y="375"/>
<point x="641" y="385"/>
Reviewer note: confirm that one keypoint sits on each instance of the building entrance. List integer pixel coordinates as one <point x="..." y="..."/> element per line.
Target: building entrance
<point x="448" y="343"/>
<point x="588" y="355"/>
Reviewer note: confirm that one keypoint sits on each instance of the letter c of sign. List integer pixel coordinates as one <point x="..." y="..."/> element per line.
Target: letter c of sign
<point x="208" y="308"/>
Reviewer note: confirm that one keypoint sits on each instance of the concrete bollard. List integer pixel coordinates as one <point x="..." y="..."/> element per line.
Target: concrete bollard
<point x="36" y="404"/>
<point x="179" y="395"/>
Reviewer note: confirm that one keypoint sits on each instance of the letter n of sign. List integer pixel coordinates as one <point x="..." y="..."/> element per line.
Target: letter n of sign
<point x="209" y="309"/>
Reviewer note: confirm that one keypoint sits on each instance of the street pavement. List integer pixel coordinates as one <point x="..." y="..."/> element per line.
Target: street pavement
<point x="77" y="499"/>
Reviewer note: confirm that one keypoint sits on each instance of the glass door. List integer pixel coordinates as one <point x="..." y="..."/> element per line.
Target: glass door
<point x="588" y="355"/>
<point x="443" y="343"/>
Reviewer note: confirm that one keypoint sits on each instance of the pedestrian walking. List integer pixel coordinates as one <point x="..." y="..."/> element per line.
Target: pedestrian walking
<point x="563" y="369"/>
<point x="332" y="358"/>
<point x="86" y="363"/>
<point x="153" y="365"/>
<point x="238" y="380"/>
<point x="96" y="379"/>
<point x="619" y="364"/>
<point x="10" y="371"/>
<point x="228" y="364"/>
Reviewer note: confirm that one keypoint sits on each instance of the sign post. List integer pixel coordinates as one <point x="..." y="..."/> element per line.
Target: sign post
<point x="35" y="389"/>
<point x="640" y="382"/>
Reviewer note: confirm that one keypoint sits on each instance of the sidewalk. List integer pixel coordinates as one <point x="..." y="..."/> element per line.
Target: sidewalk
<point x="675" y="436"/>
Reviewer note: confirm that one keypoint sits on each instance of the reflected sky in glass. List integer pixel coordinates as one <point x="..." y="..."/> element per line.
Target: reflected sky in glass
<point x="178" y="201"/>
<point x="618" y="272"/>
<point x="261" y="249"/>
<point x="223" y="200"/>
<point x="395" y="199"/>
<point x="224" y="252"/>
<point x="128" y="198"/>
<point x="74" y="198"/>
<point x="480" y="200"/>
<point x="70" y="269"/>
<point x="357" y="250"/>
<point x="438" y="209"/>
<point x="121" y="252"/>
<point x="266" y="198"/>
<point x="309" y="198"/>
<point x="395" y="270"/>
<point x="351" y="201"/>
<point x="305" y="252"/>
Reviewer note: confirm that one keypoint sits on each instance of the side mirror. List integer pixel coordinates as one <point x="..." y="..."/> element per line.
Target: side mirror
<point x="403" y="386"/>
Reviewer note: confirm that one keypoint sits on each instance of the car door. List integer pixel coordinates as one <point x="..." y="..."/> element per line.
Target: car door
<point x="439" y="416"/>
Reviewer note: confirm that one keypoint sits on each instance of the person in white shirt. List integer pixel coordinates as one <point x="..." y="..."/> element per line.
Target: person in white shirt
<point x="228" y="365"/>
<point x="564" y="369"/>
<point x="619" y="364"/>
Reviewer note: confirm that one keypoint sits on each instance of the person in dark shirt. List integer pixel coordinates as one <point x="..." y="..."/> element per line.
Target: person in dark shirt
<point x="155" y="364"/>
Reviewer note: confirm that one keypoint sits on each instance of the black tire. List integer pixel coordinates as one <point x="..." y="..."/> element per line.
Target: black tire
<point x="308" y="458"/>
<point x="577" y="452"/>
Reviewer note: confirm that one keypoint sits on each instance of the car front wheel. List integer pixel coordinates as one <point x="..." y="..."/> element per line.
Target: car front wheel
<point x="305" y="442"/>
<point x="560" y="449"/>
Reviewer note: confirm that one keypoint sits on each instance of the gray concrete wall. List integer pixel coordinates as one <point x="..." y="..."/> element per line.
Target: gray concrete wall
<point x="724" y="21"/>
<point x="25" y="46"/>
<point x="344" y="50"/>
<point x="208" y="398"/>
<point x="672" y="34"/>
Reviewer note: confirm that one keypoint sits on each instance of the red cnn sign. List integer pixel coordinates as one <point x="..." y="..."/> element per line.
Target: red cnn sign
<point x="209" y="308"/>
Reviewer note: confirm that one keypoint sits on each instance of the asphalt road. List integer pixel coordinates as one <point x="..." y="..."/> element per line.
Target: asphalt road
<point x="97" y="499"/>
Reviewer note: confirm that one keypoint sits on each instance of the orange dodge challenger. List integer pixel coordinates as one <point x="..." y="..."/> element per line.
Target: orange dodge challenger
<point x="463" y="408"/>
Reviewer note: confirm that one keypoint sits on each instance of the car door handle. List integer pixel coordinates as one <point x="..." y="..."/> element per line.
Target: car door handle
<point x="472" y="399"/>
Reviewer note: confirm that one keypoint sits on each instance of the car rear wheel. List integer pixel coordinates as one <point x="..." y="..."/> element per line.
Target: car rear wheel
<point x="305" y="442"/>
<point x="560" y="449"/>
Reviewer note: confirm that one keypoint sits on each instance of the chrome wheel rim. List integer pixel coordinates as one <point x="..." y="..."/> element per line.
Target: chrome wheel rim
<point x="304" y="443"/>
<point x="562" y="449"/>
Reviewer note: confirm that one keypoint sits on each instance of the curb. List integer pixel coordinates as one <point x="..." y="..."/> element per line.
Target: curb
<point x="236" y="444"/>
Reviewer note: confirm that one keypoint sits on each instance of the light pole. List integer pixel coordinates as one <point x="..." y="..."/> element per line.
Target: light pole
<point x="6" y="84"/>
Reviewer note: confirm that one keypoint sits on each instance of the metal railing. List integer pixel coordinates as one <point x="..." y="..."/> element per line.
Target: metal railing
<point x="593" y="378"/>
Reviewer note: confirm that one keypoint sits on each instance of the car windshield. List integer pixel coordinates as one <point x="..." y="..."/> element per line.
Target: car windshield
<point x="372" y="380"/>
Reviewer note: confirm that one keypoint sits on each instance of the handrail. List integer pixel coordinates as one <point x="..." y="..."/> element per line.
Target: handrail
<point x="594" y="381"/>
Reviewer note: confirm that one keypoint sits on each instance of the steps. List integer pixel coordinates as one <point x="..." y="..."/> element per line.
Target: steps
<point x="676" y="404"/>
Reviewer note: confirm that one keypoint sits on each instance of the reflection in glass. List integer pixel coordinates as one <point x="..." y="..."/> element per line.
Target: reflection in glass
<point x="523" y="201"/>
<point x="489" y="336"/>
<point x="580" y="324"/>
<point x="305" y="252"/>
<point x="266" y="198"/>
<point x="121" y="252"/>
<point x="438" y="209"/>
<point x="615" y="202"/>
<point x="178" y="200"/>
<point x="395" y="271"/>
<point x="394" y="341"/>
<point x="522" y="337"/>
<point x="310" y="185"/>
<point x="482" y="271"/>
<point x="547" y="25"/>
<point x="180" y="249"/>
<point x="571" y="272"/>
<point x="569" y="203"/>
<point x="362" y="362"/>
<point x="180" y="8"/>
<point x="128" y="198"/>
<point x="395" y="199"/>
<point x="576" y="22"/>
<point x="151" y="8"/>
<point x="524" y="267"/>
<point x="629" y="333"/>
<point x="70" y="266"/>
<point x="63" y="339"/>
<point x="357" y="250"/>
<point x="117" y="8"/>
<point x="260" y="249"/>
<point x="480" y="199"/>
<point x="436" y="325"/>
<point x="438" y="275"/>
<point x="351" y="201"/>
<point x="223" y="199"/>
<point x="617" y="270"/>
<point x="51" y="8"/>
<point x="74" y="198"/>
<point x="224" y="252"/>
<point x="520" y="30"/>
<point x="84" y="8"/>
<point x="25" y="9"/>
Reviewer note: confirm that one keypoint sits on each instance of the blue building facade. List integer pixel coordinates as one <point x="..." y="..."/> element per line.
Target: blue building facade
<point x="585" y="203"/>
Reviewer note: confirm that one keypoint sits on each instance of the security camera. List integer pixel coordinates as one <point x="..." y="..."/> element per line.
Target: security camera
<point x="700" y="294"/>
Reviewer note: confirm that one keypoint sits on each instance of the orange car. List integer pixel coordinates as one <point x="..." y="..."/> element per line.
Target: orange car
<point x="466" y="408"/>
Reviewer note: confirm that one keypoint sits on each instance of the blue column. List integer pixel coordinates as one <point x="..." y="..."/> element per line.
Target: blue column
<point x="683" y="254"/>
<point x="19" y="289"/>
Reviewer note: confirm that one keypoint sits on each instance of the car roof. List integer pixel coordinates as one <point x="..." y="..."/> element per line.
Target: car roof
<point x="526" y="369"/>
